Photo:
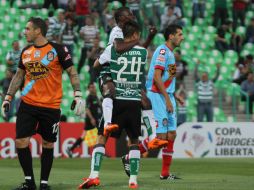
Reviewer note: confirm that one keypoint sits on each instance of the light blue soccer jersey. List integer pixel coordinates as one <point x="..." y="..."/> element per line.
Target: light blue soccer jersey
<point x="164" y="59"/>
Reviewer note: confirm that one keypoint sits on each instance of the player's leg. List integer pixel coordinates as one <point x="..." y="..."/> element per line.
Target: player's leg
<point x="107" y="88"/>
<point x="48" y="128"/>
<point x="132" y="125"/>
<point x="169" y="126"/>
<point x="25" y="128"/>
<point x="77" y="143"/>
<point x="88" y="126"/>
<point x="97" y="157"/>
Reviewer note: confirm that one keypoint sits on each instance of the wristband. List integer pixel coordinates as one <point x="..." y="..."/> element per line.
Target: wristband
<point x="77" y="93"/>
<point x="8" y="97"/>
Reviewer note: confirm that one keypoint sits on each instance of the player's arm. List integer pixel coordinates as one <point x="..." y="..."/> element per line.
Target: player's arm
<point x="217" y="73"/>
<point x="104" y="57"/>
<point x="196" y="72"/>
<point x="179" y="99"/>
<point x="158" y="82"/>
<point x="73" y="75"/>
<point x="152" y="33"/>
<point x="16" y="82"/>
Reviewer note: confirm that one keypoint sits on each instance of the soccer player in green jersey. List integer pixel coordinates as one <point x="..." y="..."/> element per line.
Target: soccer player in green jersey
<point x="126" y="70"/>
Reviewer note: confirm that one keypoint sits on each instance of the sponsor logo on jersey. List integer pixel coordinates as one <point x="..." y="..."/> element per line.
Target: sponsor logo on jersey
<point x="25" y="60"/>
<point x="50" y="55"/>
<point x="161" y="58"/>
<point x="162" y="51"/>
<point x="172" y="70"/>
<point x="37" y="70"/>
<point x="37" y="53"/>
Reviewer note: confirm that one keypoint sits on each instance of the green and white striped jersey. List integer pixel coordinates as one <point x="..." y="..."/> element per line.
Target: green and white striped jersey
<point x="126" y="70"/>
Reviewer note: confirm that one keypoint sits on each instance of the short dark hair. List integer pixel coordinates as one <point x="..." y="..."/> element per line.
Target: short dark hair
<point x="119" y="12"/>
<point x="129" y="28"/>
<point x="90" y="84"/>
<point x="39" y="23"/>
<point x="171" y="29"/>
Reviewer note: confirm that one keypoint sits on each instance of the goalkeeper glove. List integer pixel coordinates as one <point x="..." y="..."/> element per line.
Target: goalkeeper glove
<point x="78" y="105"/>
<point x="6" y="105"/>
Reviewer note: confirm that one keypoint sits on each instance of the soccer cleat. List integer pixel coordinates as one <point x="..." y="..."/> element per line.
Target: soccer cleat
<point x="25" y="186"/>
<point x="69" y="152"/>
<point x="45" y="187"/>
<point x="133" y="186"/>
<point x="109" y="128"/>
<point x="157" y="143"/>
<point x="126" y="165"/>
<point x="89" y="182"/>
<point x="169" y="177"/>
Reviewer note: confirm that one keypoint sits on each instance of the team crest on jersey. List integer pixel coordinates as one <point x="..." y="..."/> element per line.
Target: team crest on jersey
<point x="165" y="122"/>
<point x="65" y="49"/>
<point x="50" y="55"/>
<point x="162" y="51"/>
<point x="172" y="70"/>
<point x="37" y="53"/>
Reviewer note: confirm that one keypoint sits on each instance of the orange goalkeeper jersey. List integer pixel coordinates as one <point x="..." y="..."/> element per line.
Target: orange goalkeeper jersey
<point x="44" y="66"/>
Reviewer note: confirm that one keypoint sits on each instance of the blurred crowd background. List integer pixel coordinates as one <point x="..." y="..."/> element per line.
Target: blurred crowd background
<point x="215" y="62"/>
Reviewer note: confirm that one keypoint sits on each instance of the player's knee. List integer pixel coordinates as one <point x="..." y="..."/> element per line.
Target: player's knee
<point x="145" y="101"/>
<point x="99" y="145"/>
<point x="22" y="143"/>
<point x="101" y="140"/>
<point x="172" y="135"/>
<point x="133" y="142"/>
<point x="109" y="90"/>
<point x="46" y="144"/>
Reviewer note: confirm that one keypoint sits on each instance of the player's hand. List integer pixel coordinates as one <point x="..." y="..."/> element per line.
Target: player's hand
<point x="6" y="105"/>
<point x="180" y="100"/>
<point x="78" y="105"/>
<point x="169" y="106"/>
<point x="152" y="32"/>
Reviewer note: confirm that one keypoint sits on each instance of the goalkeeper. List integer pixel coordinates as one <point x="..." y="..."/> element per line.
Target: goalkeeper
<point x="41" y="66"/>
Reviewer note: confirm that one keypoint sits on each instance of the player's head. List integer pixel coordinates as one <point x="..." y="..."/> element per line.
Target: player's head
<point x="35" y="27"/>
<point x="131" y="30"/>
<point x="91" y="88"/>
<point x="122" y="15"/>
<point x="204" y="77"/>
<point x="15" y="45"/>
<point x="174" y="34"/>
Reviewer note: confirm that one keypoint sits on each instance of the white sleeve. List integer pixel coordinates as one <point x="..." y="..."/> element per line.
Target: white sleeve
<point x="115" y="34"/>
<point x="105" y="57"/>
<point x="8" y="56"/>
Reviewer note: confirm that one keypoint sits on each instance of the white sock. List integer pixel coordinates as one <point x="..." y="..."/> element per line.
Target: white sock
<point x="97" y="156"/>
<point x="149" y="114"/>
<point x="107" y="108"/>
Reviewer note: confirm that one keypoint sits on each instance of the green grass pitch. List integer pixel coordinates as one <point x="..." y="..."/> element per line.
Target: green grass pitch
<point x="197" y="174"/>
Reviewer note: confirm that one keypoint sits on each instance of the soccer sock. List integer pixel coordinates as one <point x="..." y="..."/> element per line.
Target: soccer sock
<point x="143" y="146"/>
<point x="107" y="108"/>
<point x="148" y="119"/>
<point x="46" y="163"/>
<point x="167" y="154"/>
<point x="26" y="162"/>
<point x="134" y="156"/>
<point x="97" y="157"/>
<point x="77" y="143"/>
